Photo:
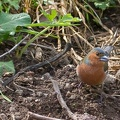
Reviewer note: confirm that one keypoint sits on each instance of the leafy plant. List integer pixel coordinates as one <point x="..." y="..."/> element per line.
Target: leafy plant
<point x="5" y="5"/>
<point x="103" y="4"/>
<point x="9" y="23"/>
<point x="6" y="67"/>
<point x="52" y="21"/>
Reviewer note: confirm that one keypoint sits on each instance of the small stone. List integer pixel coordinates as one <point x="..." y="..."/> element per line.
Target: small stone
<point x="12" y="109"/>
<point x="73" y="96"/>
<point x="68" y="93"/>
<point x="62" y="85"/>
<point x="29" y="99"/>
<point x="72" y="84"/>
<point x="18" y="116"/>
<point x="45" y="94"/>
<point x="67" y="85"/>
<point x="39" y="94"/>
<point x="20" y="92"/>
<point x="33" y="94"/>
<point x="37" y="100"/>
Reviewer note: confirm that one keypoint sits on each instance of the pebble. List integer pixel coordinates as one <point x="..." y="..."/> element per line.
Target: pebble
<point x="39" y="94"/>
<point x="29" y="99"/>
<point x="12" y="109"/>
<point x="19" y="92"/>
<point x="18" y="116"/>
<point x="67" y="86"/>
<point x="45" y="94"/>
<point x="73" y="97"/>
<point x="68" y="93"/>
<point x="73" y="84"/>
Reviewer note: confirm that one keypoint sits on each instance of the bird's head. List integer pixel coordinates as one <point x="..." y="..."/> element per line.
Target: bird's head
<point x="96" y="56"/>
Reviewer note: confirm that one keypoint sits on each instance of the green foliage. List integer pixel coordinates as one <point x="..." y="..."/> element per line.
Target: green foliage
<point x="103" y="4"/>
<point x="6" y="67"/>
<point x="95" y="14"/>
<point x="5" y="5"/>
<point x="9" y="23"/>
<point x="50" y="16"/>
<point x="66" y="20"/>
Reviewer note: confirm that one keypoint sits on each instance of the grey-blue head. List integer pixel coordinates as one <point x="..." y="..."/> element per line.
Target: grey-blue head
<point x="101" y="54"/>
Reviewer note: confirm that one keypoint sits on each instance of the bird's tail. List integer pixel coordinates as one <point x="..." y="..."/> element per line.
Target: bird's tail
<point x="108" y="50"/>
<point x="110" y="47"/>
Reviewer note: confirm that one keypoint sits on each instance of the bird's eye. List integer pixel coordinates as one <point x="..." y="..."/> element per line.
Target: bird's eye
<point x="98" y="54"/>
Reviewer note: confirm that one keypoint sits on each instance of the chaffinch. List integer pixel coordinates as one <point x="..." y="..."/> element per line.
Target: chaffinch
<point x="93" y="67"/>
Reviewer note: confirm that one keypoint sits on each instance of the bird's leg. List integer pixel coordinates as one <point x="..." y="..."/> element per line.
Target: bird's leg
<point x="99" y="91"/>
<point x="101" y="94"/>
<point x="79" y="86"/>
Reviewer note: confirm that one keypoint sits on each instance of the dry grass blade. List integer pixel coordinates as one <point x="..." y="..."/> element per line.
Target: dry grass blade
<point x="81" y="37"/>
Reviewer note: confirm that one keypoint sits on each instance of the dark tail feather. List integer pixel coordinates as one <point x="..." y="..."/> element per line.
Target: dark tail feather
<point x="108" y="49"/>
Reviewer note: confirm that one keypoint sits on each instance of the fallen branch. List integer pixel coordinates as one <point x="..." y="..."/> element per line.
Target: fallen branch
<point x="32" y="116"/>
<point x="61" y="100"/>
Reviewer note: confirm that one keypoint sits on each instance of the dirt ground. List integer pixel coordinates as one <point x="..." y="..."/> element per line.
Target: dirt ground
<point x="35" y="93"/>
<point x="38" y="96"/>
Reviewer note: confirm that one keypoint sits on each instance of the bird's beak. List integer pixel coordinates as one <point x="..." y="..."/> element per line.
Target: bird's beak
<point x="104" y="58"/>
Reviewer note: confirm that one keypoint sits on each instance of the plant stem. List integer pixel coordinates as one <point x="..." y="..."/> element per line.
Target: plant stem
<point x="32" y="40"/>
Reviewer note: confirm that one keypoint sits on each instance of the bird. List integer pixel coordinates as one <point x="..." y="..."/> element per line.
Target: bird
<point x="94" y="66"/>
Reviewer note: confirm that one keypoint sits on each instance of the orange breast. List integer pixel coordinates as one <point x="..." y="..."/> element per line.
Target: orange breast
<point x="90" y="75"/>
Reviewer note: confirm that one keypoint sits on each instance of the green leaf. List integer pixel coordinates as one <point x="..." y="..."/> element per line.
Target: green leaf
<point x="53" y="14"/>
<point x="14" y="3"/>
<point x="69" y="18"/>
<point x="63" y="21"/>
<point x="45" y="14"/>
<point x="6" y="67"/>
<point x="5" y="97"/>
<point x="1" y="7"/>
<point x="9" y="22"/>
<point x="102" y="5"/>
<point x="50" y="16"/>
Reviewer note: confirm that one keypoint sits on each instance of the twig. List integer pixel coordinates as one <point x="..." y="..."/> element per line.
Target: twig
<point x="61" y="100"/>
<point x="32" y="116"/>
<point x="23" y="88"/>
<point x="42" y="46"/>
<point x="8" y="52"/>
<point x="81" y="37"/>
